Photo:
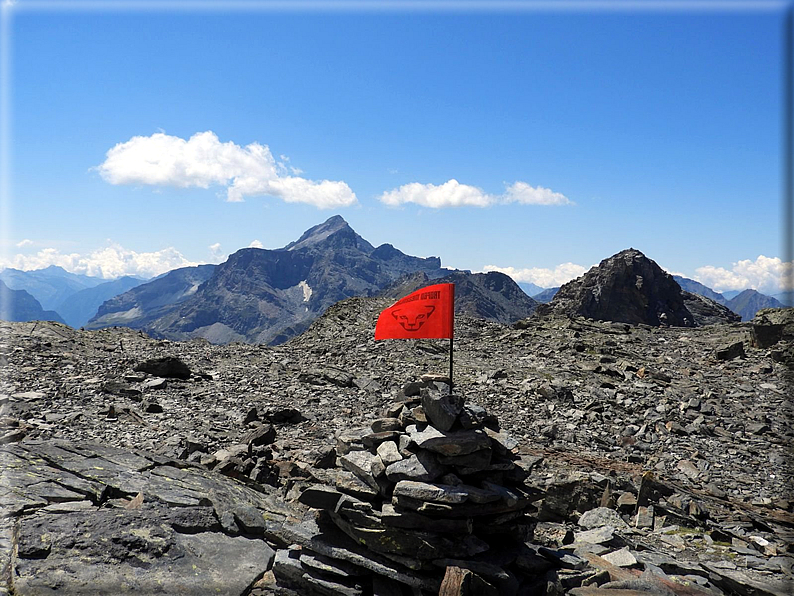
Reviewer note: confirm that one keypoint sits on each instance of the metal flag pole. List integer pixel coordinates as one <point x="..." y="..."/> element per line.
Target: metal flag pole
<point x="450" y="365"/>
<point x="451" y="339"/>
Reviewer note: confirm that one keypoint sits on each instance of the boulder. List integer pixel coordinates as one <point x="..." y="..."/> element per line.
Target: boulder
<point x="166" y="367"/>
<point x="771" y="325"/>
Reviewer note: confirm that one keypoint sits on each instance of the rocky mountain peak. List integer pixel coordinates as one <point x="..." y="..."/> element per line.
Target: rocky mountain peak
<point x="627" y="287"/>
<point x="335" y="230"/>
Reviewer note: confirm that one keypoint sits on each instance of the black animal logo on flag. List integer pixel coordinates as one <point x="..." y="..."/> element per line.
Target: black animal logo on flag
<point x="412" y="319"/>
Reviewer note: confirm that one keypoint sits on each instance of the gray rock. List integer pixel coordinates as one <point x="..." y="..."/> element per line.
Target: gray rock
<point x="621" y="558"/>
<point x="422" y="466"/>
<point x="174" y="562"/>
<point x="602" y="516"/>
<point x="627" y="287"/>
<point x="730" y="351"/>
<point x="771" y="325"/>
<point x="155" y="384"/>
<point x="389" y="453"/>
<point x="385" y="424"/>
<point x="263" y="434"/>
<point x="408" y="519"/>
<point x="360" y="464"/>
<point x="439" y="493"/>
<point x="350" y="484"/>
<point x="442" y="411"/>
<point x="320" y="497"/>
<point x="449" y="443"/>
<point x="563" y="559"/>
<point x="599" y="535"/>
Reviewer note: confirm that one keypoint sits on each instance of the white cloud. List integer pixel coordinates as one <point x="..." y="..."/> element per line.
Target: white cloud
<point x="523" y="193"/>
<point x="23" y="243"/>
<point x="545" y="278"/>
<point x="203" y="161"/>
<point x="765" y="274"/>
<point x="454" y="194"/>
<point x="450" y="194"/>
<point x="109" y="262"/>
<point x="216" y="252"/>
<point x="256" y="244"/>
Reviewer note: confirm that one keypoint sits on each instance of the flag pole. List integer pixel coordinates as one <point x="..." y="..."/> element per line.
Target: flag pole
<point x="451" y="339"/>
<point x="450" y="366"/>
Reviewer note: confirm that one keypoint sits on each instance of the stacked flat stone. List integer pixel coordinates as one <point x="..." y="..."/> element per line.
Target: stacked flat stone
<point x="431" y="485"/>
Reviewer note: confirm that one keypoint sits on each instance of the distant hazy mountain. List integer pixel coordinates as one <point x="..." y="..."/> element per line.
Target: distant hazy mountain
<point x="695" y="287"/>
<point x="745" y="303"/>
<point x="81" y="306"/>
<point x="785" y="298"/>
<point x="546" y="295"/>
<point x="749" y="302"/>
<point x="492" y="296"/>
<point x="20" y="305"/>
<point x="50" y="286"/>
<point x="529" y="288"/>
<point x="138" y="307"/>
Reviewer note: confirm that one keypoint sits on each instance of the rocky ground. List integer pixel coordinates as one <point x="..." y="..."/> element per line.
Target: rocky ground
<point x="679" y="438"/>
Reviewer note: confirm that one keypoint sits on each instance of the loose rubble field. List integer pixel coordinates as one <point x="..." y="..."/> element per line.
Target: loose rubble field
<point x="655" y="455"/>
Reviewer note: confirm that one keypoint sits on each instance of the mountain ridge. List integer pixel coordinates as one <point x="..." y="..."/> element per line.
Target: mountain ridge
<point x="266" y="295"/>
<point x="21" y="306"/>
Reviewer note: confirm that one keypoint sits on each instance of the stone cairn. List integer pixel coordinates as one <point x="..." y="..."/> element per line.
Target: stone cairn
<point x="434" y="491"/>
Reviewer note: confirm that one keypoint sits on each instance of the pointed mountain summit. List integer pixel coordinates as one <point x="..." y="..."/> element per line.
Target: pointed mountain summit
<point x="627" y="287"/>
<point x="749" y="302"/>
<point x="334" y="230"/>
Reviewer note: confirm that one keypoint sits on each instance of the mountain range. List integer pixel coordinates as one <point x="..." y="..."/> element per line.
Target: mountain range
<point x="745" y="303"/>
<point x="74" y="298"/>
<point x="269" y="296"/>
<point x="50" y="286"/>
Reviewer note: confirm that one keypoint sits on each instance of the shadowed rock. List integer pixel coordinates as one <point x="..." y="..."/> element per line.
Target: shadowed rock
<point x="627" y="287"/>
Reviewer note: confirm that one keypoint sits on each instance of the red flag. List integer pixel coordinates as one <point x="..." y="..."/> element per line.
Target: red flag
<point x="427" y="313"/>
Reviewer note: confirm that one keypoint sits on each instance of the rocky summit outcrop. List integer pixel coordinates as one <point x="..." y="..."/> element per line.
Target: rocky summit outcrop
<point x="647" y="460"/>
<point x="629" y="288"/>
<point x="96" y="519"/>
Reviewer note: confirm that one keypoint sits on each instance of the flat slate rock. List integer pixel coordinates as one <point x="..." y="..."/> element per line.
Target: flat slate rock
<point x="449" y="443"/>
<point x="166" y="530"/>
<point x="168" y="562"/>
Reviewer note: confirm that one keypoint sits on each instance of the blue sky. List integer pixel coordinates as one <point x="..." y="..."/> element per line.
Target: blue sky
<point x="533" y="141"/>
